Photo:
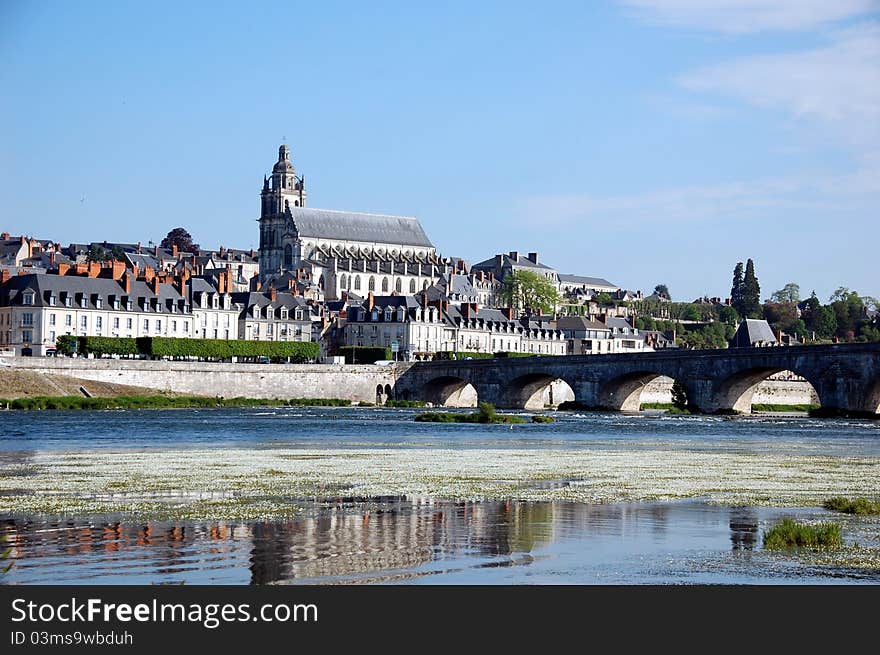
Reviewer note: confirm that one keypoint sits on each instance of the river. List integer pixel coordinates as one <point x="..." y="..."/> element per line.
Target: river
<point x="355" y="495"/>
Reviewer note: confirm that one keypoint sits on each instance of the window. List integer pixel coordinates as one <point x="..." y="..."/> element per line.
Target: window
<point x="342" y="281"/>
<point x="115" y="322"/>
<point x="84" y="322"/>
<point x="128" y="304"/>
<point x="146" y="325"/>
<point x="99" y="322"/>
<point x="83" y="301"/>
<point x="128" y="323"/>
<point x="398" y="285"/>
<point x="27" y="319"/>
<point x="412" y="286"/>
<point x="384" y="285"/>
<point x="52" y="337"/>
<point x="27" y="299"/>
<point x="68" y="320"/>
<point x="27" y="336"/>
<point x="52" y="301"/>
<point x="158" y="325"/>
<point x="270" y="329"/>
<point x="67" y="301"/>
<point x="116" y="303"/>
<point x="51" y="319"/>
<point x="174" y="326"/>
<point x="371" y="285"/>
<point x="99" y="303"/>
<point x="186" y="326"/>
<point x="357" y="282"/>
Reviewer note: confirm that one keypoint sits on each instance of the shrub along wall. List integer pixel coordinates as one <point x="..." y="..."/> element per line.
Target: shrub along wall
<point x="296" y="351"/>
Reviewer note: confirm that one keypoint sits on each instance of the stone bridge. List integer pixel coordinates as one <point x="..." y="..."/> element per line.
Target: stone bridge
<point x="846" y="377"/>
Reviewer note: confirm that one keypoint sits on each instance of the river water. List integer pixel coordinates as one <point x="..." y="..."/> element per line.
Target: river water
<point x="418" y="539"/>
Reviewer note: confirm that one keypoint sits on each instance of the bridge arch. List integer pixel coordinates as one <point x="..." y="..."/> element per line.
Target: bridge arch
<point x="738" y="391"/>
<point x="536" y="391"/>
<point x="873" y="398"/>
<point x="624" y="392"/>
<point x="450" y="391"/>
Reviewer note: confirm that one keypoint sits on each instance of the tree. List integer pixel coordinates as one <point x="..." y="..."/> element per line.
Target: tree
<point x="679" y="396"/>
<point x="751" y="300"/>
<point x="118" y="253"/>
<point x="728" y="315"/>
<point x="97" y="253"/>
<point x="737" y="291"/>
<point x="527" y="291"/>
<point x="663" y="291"/>
<point x="181" y="238"/>
<point x="791" y="292"/>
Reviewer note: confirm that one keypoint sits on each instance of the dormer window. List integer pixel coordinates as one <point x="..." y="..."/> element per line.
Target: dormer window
<point x="374" y="316"/>
<point x="284" y="313"/>
<point x="116" y="303"/>
<point x="214" y="302"/>
<point x="128" y="304"/>
<point x="67" y="300"/>
<point x="99" y="303"/>
<point x="52" y="300"/>
<point x="83" y="301"/>
<point x="256" y="312"/>
<point x="298" y="315"/>
<point x="388" y="315"/>
<point x="27" y="298"/>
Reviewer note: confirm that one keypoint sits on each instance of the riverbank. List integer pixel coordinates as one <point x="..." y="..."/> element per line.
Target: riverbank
<point x="17" y="383"/>
<point x="159" y="401"/>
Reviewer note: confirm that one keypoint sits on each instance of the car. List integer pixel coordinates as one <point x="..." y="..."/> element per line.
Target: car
<point x="263" y="360"/>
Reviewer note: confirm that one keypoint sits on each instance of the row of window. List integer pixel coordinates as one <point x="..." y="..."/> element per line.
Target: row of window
<point x="353" y="282"/>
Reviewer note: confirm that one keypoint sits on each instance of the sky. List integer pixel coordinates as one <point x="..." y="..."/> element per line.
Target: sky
<point x="642" y="141"/>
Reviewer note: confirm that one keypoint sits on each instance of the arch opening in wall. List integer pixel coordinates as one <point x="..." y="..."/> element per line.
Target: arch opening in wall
<point x="537" y="391"/>
<point x="288" y="256"/>
<point x="449" y="391"/>
<point x="766" y="390"/>
<point x="624" y="393"/>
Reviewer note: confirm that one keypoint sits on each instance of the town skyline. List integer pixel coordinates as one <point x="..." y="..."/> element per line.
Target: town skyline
<point x="667" y="162"/>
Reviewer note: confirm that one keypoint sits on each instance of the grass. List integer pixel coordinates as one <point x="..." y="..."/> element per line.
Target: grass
<point x="405" y="403"/>
<point x="486" y="414"/>
<point x="769" y="407"/>
<point x="669" y="407"/>
<point x="541" y="418"/>
<point x="858" y="506"/>
<point x="790" y="534"/>
<point x="159" y="402"/>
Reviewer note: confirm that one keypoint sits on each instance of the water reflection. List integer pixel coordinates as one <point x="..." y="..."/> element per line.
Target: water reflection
<point x="403" y="539"/>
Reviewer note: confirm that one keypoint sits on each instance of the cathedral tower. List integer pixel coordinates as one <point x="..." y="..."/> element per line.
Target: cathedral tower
<point x="284" y="190"/>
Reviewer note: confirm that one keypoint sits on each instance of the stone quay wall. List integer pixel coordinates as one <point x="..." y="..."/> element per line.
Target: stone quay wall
<point x="357" y="383"/>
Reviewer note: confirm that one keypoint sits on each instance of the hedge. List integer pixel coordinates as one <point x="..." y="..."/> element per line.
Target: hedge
<point x="364" y="354"/>
<point x="297" y="351"/>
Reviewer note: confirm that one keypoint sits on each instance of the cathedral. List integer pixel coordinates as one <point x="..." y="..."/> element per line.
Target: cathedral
<point x="341" y="251"/>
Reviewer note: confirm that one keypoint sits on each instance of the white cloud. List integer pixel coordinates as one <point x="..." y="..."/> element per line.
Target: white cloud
<point x="744" y="16"/>
<point x="837" y="85"/>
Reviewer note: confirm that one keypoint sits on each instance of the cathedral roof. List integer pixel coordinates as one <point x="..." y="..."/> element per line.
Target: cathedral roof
<point x="354" y="226"/>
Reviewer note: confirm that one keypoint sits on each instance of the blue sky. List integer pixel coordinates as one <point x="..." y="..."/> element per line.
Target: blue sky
<point x="643" y="141"/>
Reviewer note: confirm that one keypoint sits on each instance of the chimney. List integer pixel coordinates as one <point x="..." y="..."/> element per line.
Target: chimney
<point x="63" y="268"/>
<point x="139" y="247"/>
<point x="155" y="285"/>
<point x="371" y="301"/>
<point x="126" y="282"/>
<point x="4" y="276"/>
<point x="117" y="269"/>
<point x="252" y="253"/>
<point x="5" y="236"/>
<point x="533" y="257"/>
<point x="149" y="274"/>
<point x="466" y="310"/>
<point x="508" y="312"/>
<point x="156" y="251"/>
<point x="52" y="258"/>
<point x="174" y="250"/>
<point x="81" y="269"/>
<point x="514" y="255"/>
<point x="273" y="294"/>
<point x="222" y="252"/>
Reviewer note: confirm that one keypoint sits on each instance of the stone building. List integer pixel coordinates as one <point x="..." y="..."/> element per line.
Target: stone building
<point x="292" y="234"/>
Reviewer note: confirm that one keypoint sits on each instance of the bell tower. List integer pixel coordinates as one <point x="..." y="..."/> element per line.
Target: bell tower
<point x="282" y="192"/>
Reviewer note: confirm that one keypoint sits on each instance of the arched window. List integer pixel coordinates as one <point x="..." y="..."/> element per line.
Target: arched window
<point x="357" y="282"/>
<point x="296" y="203"/>
<point x="342" y="281"/>
<point x="424" y="285"/>
<point x="384" y="285"/>
<point x="371" y="285"/>
<point x="412" y="285"/>
<point x="398" y="285"/>
<point x="288" y="256"/>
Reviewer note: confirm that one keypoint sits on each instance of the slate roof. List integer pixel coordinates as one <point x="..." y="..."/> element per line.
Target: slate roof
<point x="579" y="324"/>
<point x="589" y="282"/>
<point x="752" y="331"/>
<point x="507" y="260"/>
<point x="355" y="226"/>
<point x="91" y="289"/>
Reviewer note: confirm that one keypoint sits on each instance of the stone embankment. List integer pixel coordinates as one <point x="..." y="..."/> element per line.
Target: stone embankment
<point x="360" y="383"/>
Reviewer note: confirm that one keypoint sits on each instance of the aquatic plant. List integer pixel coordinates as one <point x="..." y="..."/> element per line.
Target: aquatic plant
<point x="486" y="414"/>
<point x="790" y="534"/>
<point x="542" y="418"/>
<point x="858" y="506"/>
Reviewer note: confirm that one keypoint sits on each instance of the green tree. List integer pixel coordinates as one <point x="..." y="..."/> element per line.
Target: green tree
<point x="737" y="290"/>
<point x="529" y="292"/>
<point x="663" y="291"/>
<point x="181" y="238"/>
<point x="118" y="253"/>
<point x="97" y="253"/>
<point x="679" y="395"/>
<point x="728" y="315"/>
<point x="751" y="301"/>
<point x="791" y="292"/>
<point x="784" y="316"/>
